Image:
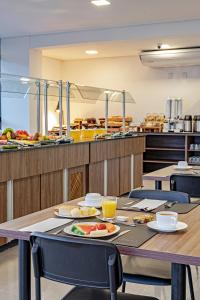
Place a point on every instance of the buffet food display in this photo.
(152, 123)
(53, 105)
(10, 139)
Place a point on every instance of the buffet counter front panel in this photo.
(35, 179)
(116, 166)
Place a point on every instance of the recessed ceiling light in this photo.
(91, 52)
(24, 80)
(163, 46)
(101, 2)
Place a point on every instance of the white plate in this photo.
(82, 217)
(68, 231)
(179, 226)
(83, 204)
(183, 168)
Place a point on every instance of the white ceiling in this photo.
(114, 48)
(105, 49)
(29, 17)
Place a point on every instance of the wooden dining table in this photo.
(179, 248)
(164, 174)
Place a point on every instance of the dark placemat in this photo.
(180, 208)
(137, 236)
(121, 202)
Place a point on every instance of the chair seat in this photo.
(79, 293)
(146, 267)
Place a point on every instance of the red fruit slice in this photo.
(101, 226)
(87, 228)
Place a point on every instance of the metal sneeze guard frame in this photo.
(13, 85)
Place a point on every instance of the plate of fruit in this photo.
(92, 229)
(75, 212)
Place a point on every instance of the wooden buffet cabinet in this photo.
(38, 178)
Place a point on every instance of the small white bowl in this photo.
(122, 218)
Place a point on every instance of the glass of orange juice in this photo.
(109, 207)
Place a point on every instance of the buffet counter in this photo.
(37, 178)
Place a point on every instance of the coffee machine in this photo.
(173, 115)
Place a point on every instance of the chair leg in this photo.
(197, 271)
(123, 286)
(190, 282)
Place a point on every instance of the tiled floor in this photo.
(55, 291)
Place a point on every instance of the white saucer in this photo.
(183, 168)
(179, 226)
(83, 204)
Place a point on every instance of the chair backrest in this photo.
(160, 195)
(186, 183)
(76, 261)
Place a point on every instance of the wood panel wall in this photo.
(138, 170)
(51, 189)
(26, 196)
(31, 162)
(125, 175)
(96, 178)
(113, 177)
(109, 149)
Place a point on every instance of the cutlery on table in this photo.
(170, 204)
(116, 222)
(58, 231)
(61, 229)
(120, 234)
(129, 203)
(144, 209)
(122, 223)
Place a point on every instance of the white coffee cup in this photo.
(93, 199)
(182, 164)
(166, 219)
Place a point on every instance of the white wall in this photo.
(149, 87)
(15, 60)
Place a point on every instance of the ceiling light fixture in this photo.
(24, 80)
(91, 52)
(101, 2)
(163, 46)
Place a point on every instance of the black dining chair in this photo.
(93, 267)
(187, 183)
(159, 273)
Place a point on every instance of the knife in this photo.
(120, 234)
(170, 204)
